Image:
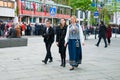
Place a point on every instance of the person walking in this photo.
(18, 31)
(48, 35)
(109, 34)
(75, 39)
(102, 34)
(60, 36)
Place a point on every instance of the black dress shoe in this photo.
(105, 46)
(96, 45)
(51, 61)
(61, 64)
(76, 65)
(44, 61)
(71, 68)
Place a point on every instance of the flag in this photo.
(34, 7)
(44, 9)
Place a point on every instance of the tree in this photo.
(82, 5)
(109, 9)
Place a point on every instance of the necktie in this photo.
(47, 30)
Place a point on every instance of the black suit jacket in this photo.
(102, 30)
(48, 37)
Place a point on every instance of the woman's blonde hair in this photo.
(74, 18)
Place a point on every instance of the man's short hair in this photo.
(48, 21)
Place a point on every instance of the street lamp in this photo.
(115, 6)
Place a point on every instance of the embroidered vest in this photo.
(74, 33)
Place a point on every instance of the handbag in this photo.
(77, 43)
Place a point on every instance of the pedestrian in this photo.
(75, 39)
(18, 31)
(23, 27)
(102, 34)
(60, 41)
(12, 32)
(109, 34)
(29, 29)
(48, 35)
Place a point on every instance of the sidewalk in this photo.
(113, 36)
(25, 63)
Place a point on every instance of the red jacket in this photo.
(109, 32)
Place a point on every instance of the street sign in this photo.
(96, 14)
(52, 11)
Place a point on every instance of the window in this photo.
(81, 14)
(28, 5)
(47, 8)
(5, 4)
(58, 10)
(38, 7)
(64, 10)
(1, 3)
(8, 4)
(86, 16)
(68, 11)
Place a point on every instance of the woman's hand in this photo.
(57, 43)
(65, 44)
(83, 44)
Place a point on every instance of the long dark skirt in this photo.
(75, 53)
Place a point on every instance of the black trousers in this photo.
(62, 51)
(48, 49)
(104, 38)
(109, 41)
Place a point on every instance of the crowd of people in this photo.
(25, 29)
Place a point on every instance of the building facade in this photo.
(36, 11)
(116, 8)
(7, 10)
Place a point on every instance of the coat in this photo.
(48, 37)
(60, 38)
(109, 32)
(102, 30)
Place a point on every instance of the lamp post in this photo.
(115, 6)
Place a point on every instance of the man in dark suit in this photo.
(102, 32)
(48, 35)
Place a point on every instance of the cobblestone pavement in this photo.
(24, 63)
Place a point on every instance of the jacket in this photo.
(48, 37)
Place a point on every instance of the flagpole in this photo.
(52, 21)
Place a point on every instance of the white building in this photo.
(81, 16)
(7, 10)
(116, 15)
